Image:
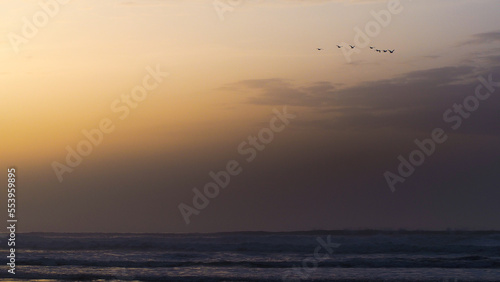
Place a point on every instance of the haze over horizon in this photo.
(227, 77)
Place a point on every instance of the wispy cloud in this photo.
(483, 38)
(415, 100)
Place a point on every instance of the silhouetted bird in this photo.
(319, 49)
(352, 47)
(339, 46)
(371, 47)
(385, 51)
(392, 51)
(378, 50)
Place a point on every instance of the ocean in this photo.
(257, 256)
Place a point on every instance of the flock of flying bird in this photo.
(371, 47)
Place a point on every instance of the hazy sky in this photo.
(228, 69)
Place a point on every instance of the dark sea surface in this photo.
(257, 256)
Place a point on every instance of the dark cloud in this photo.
(483, 38)
(412, 101)
(283, 92)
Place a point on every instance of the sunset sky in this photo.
(228, 71)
